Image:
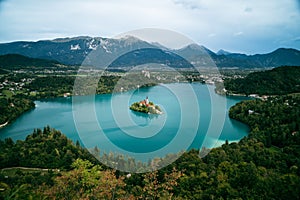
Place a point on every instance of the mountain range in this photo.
(133, 51)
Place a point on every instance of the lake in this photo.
(193, 116)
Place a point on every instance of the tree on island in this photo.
(146, 106)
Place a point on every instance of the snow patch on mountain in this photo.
(75, 47)
(105, 44)
(92, 45)
(105, 48)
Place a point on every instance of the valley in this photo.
(255, 160)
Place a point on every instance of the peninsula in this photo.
(146, 106)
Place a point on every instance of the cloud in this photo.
(189, 4)
(248, 9)
(297, 39)
(211, 23)
(238, 33)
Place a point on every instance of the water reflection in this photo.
(144, 115)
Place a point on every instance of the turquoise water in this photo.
(193, 116)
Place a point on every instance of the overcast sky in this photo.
(246, 26)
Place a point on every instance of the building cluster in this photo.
(145, 102)
(14, 86)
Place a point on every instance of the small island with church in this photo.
(146, 106)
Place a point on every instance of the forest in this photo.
(263, 165)
(11, 108)
(278, 81)
(12, 62)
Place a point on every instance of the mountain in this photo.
(151, 55)
(74, 51)
(223, 52)
(203, 57)
(102, 52)
(278, 57)
(197, 55)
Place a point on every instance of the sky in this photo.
(244, 26)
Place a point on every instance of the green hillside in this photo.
(16, 62)
(278, 81)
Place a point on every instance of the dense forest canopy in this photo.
(278, 81)
(15, 61)
(12, 108)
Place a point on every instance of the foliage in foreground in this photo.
(263, 165)
(47, 148)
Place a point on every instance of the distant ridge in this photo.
(73, 51)
(223, 52)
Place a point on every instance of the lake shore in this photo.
(58, 114)
(3, 125)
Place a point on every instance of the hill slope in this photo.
(278, 81)
(15, 61)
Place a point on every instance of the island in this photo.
(146, 106)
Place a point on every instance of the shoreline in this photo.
(216, 144)
(3, 125)
(236, 95)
